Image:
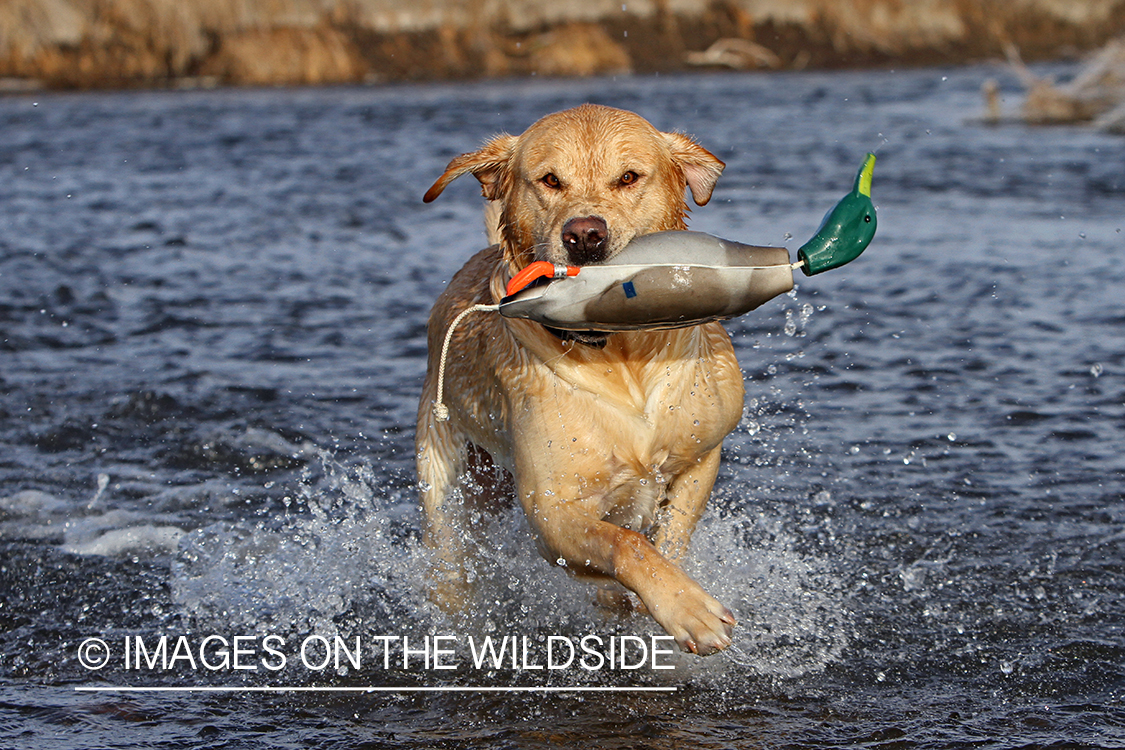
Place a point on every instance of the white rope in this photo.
(441, 411)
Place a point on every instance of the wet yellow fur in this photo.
(612, 450)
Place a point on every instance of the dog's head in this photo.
(578, 185)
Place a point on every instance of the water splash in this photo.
(791, 606)
(325, 566)
(346, 561)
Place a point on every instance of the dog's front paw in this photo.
(698, 621)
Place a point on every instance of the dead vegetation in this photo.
(1096, 94)
(115, 43)
(1098, 88)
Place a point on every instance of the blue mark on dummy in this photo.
(630, 292)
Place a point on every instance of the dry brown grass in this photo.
(142, 42)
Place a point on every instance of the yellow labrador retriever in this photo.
(611, 440)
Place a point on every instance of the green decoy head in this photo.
(846, 230)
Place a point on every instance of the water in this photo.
(212, 311)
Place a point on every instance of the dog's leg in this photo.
(697, 621)
(440, 458)
(569, 529)
(687, 499)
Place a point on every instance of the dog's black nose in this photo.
(586, 240)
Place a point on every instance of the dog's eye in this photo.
(629, 177)
(551, 181)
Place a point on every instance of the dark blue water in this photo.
(212, 341)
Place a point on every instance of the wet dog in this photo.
(611, 441)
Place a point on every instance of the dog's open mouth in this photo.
(596, 339)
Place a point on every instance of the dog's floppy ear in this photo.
(488, 164)
(701, 167)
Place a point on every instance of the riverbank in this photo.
(80, 44)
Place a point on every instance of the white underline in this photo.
(369, 689)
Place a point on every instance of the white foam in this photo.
(84, 528)
(30, 503)
(32, 514)
(115, 542)
(119, 532)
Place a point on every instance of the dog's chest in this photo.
(674, 400)
(646, 450)
(634, 424)
(669, 414)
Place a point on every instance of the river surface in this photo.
(212, 342)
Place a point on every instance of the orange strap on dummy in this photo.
(538, 270)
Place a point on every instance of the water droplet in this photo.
(913, 579)
(1096, 369)
(561, 562)
(1006, 667)
(951, 436)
